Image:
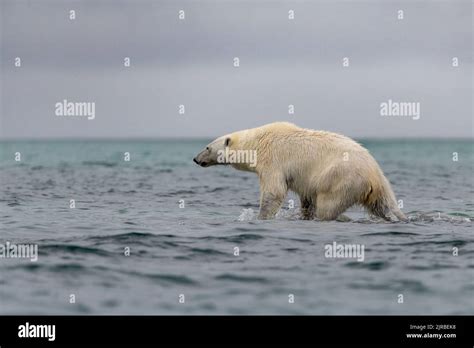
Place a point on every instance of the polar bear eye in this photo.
(207, 148)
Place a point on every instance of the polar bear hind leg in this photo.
(331, 204)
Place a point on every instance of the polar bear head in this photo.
(212, 154)
(237, 149)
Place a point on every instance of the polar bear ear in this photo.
(227, 141)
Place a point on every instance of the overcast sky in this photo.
(190, 62)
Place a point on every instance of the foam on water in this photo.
(249, 214)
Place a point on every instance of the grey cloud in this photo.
(190, 62)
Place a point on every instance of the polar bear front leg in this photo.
(273, 191)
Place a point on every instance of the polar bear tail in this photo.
(381, 202)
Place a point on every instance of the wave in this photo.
(57, 268)
(73, 249)
(123, 236)
(237, 238)
(241, 278)
(372, 266)
(166, 279)
(391, 233)
(100, 163)
(456, 243)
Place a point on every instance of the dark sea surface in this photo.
(190, 250)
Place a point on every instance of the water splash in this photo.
(283, 214)
(438, 217)
(417, 216)
(247, 215)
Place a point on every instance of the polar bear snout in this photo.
(201, 163)
(204, 158)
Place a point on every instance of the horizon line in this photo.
(194, 138)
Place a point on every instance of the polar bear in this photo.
(329, 172)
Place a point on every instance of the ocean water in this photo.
(188, 249)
